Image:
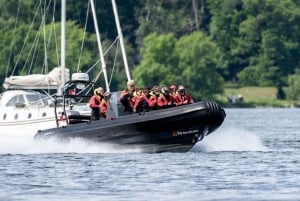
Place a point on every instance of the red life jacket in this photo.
(130, 98)
(94, 101)
(184, 99)
(163, 100)
(151, 100)
(103, 107)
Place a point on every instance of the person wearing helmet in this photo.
(126, 97)
(105, 104)
(150, 100)
(94, 103)
(136, 99)
(143, 100)
(165, 100)
(154, 92)
(183, 97)
(173, 89)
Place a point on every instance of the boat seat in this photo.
(74, 117)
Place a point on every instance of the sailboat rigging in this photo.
(22, 105)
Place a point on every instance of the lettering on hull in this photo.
(185, 132)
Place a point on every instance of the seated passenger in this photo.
(173, 90)
(144, 101)
(137, 100)
(183, 97)
(150, 101)
(155, 92)
(165, 100)
(126, 97)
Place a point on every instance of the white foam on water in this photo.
(15, 143)
(225, 139)
(230, 139)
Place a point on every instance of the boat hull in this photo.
(175, 129)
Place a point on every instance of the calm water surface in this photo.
(253, 156)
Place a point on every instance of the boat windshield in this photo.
(37, 99)
(19, 99)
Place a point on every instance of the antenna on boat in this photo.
(121, 39)
(103, 64)
(63, 44)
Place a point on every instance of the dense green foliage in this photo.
(293, 91)
(198, 43)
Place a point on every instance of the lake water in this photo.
(255, 155)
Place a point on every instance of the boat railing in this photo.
(76, 94)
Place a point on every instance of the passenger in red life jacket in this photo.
(150, 100)
(143, 101)
(183, 97)
(137, 100)
(155, 92)
(173, 93)
(105, 104)
(165, 100)
(173, 90)
(126, 97)
(94, 103)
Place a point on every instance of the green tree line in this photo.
(201, 44)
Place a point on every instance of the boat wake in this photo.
(227, 139)
(18, 144)
(230, 139)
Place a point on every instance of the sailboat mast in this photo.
(63, 43)
(121, 39)
(103, 64)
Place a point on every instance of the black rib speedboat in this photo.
(175, 129)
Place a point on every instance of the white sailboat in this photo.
(26, 110)
(23, 109)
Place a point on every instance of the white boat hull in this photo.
(25, 121)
